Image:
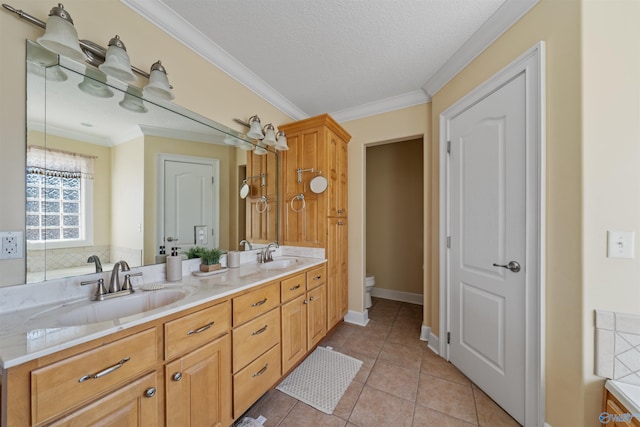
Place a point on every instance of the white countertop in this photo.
(23, 338)
(627, 394)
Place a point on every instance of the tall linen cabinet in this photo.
(318, 147)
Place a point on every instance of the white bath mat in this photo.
(321, 380)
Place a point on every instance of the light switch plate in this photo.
(620, 244)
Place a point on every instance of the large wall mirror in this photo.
(113, 176)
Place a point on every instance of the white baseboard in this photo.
(357, 318)
(425, 332)
(398, 295)
(434, 343)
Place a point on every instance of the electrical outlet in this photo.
(11, 245)
(201, 235)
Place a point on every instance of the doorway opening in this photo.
(394, 220)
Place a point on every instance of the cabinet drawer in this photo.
(254, 338)
(65, 384)
(254, 380)
(316, 277)
(253, 304)
(190, 332)
(292, 287)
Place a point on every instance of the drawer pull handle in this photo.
(150, 392)
(340, 223)
(317, 278)
(202, 329)
(177, 376)
(104, 372)
(340, 211)
(261, 371)
(295, 287)
(256, 304)
(259, 331)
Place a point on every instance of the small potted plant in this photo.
(210, 260)
(195, 252)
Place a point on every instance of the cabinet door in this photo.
(199, 386)
(316, 315)
(260, 215)
(342, 165)
(294, 332)
(337, 175)
(343, 267)
(335, 235)
(136, 404)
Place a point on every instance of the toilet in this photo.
(369, 283)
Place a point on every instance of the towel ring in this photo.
(262, 200)
(299, 196)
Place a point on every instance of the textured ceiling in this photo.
(349, 58)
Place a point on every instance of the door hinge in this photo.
(448, 337)
(448, 147)
(213, 180)
(448, 242)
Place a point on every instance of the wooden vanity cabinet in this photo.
(322, 144)
(303, 315)
(198, 383)
(256, 345)
(619, 415)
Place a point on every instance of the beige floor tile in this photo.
(407, 356)
(364, 344)
(377, 408)
(411, 311)
(305, 415)
(447, 397)
(425, 417)
(489, 413)
(347, 402)
(436, 366)
(383, 316)
(274, 406)
(396, 380)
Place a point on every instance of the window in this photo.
(59, 198)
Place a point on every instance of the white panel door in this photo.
(487, 228)
(188, 203)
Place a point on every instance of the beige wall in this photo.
(558, 24)
(199, 86)
(394, 215)
(403, 124)
(611, 168)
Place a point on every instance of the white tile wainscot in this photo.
(618, 346)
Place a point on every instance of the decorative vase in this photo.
(208, 268)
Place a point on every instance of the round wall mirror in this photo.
(318, 184)
(244, 190)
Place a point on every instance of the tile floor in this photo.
(401, 382)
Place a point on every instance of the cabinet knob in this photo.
(177, 376)
(340, 211)
(150, 392)
(305, 302)
(312, 299)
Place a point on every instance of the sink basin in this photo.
(279, 263)
(87, 312)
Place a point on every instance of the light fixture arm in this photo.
(299, 172)
(95, 53)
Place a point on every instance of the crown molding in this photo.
(184, 135)
(159, 14)
(506, 15)
(397, 102)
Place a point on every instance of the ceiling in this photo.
(349, 58)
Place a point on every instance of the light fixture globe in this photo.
(255, 128)
(95, 88)
(260, 149)
(158, 85)
(269, 135)
(61, 36)
(117, 63)
(281, 141)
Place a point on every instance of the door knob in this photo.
(513, 266)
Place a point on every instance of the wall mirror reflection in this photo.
(112, 176)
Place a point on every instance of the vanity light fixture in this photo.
(269, 137)
(95, 88)
(133, 103)
(61, 36)
(158, 85)
(117, 63)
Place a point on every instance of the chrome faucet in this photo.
(114, 283)
(96, 260)
(245, 243)
(267, 252)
